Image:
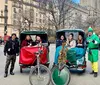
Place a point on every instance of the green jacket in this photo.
(93, 45)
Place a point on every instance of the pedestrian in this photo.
(11, 49)
(92, 46)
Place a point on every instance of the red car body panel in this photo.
(27, 56)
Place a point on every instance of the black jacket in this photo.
(83, 44)
(59, 43)
(11, 47)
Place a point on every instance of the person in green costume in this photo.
(92, 46)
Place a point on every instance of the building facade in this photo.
(92, 3)
(23, 15)
(94, 11)
(9, 26)
(27, 15)
(78, 17)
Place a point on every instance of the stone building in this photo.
(2, 5)
(23, 15)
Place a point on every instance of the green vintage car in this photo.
(26, 58)
(76, 59)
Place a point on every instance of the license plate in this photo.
(79, 68)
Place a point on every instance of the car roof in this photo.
(70, 30)
(33, 32)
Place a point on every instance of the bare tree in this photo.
(28, 15)
(24, 17)
(92, 21)
(59, 11)
(76, 21)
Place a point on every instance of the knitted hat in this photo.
(90, 29)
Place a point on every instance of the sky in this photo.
(76, 1)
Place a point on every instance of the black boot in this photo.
(12, 73)
(5, 75)
(92, 72)
(95, 74)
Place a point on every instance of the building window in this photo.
(19, 10)
(36, 19)
(15, 10)
(14, 16)
(43, 20)
(40, 15)
(36, 14)
(40, 20)
(1, 12)
(14, 22)
(1, 15)
(75, 13)
(43, 16)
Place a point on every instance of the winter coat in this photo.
(11, 47)
(59, 42)
(26, 43)
(93, 45)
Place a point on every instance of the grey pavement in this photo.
(23, 78)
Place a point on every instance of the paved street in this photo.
(23, 79)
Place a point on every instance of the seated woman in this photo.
(28, 41)
(80, 46)
(38, 40)
(80, 42)
(71, 43)
(80, 50)
(59, 42)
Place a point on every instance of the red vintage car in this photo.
(27, 57)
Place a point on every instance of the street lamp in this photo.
(5, 16)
